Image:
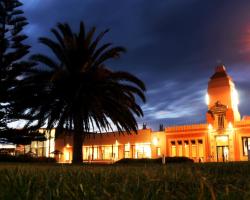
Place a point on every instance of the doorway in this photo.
(222, 153)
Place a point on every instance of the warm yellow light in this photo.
(67, 155)
(155, 141)
(142, 150)
(230, 126)
(207, 99)
(116, 142)
(210, 127)
(235, 97)
(223, 138)
(127, 147)
(67, 145)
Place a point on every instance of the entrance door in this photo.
(222, 153)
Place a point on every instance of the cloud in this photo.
(171, 101)
(172, 45)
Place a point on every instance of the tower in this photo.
(222, 99)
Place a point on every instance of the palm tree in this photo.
(77, 92)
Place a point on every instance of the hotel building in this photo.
(224, 137)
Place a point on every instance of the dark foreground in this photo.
(173, 181)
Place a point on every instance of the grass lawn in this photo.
(153, 181)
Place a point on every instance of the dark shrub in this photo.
(25, 158)
(45, 160)
(136, 161)
(178, 160)
(156, 160)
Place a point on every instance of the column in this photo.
(197, 150)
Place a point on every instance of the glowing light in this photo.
(235, 97)
(7, 146)
(67, 155)
(223, 138)
(230, 126)
(207, 99)
(116, 142)
(142, 150)
(127, 147)
(210, 127)
(67, 146)
(155, 141)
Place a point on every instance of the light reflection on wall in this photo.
(235, 98)
(207, 99)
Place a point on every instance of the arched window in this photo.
(220, 121)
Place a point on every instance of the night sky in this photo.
(172, 45)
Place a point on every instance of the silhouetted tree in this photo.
(77, 92)
(21, 136)
(12, 50)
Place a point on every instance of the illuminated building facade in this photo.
(225, 136)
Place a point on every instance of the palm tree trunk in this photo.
(77, 141)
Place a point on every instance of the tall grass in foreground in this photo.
(179, 181)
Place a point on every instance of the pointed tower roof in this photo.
(220, 72)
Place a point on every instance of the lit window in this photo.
(158, 151)
(126, 154)
(220, 121)
(127, 151)
(222, 140)
(107, 152)
(115, 152)
(201, 148)
(67, 155)
(142, 150)
(91, 153)
(179, 148)
(87, 153)
(173, 149)
(95, 153)
(194, 153)
(186, 147)
(127, 147)
(246, 145)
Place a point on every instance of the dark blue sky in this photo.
(173, 46)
